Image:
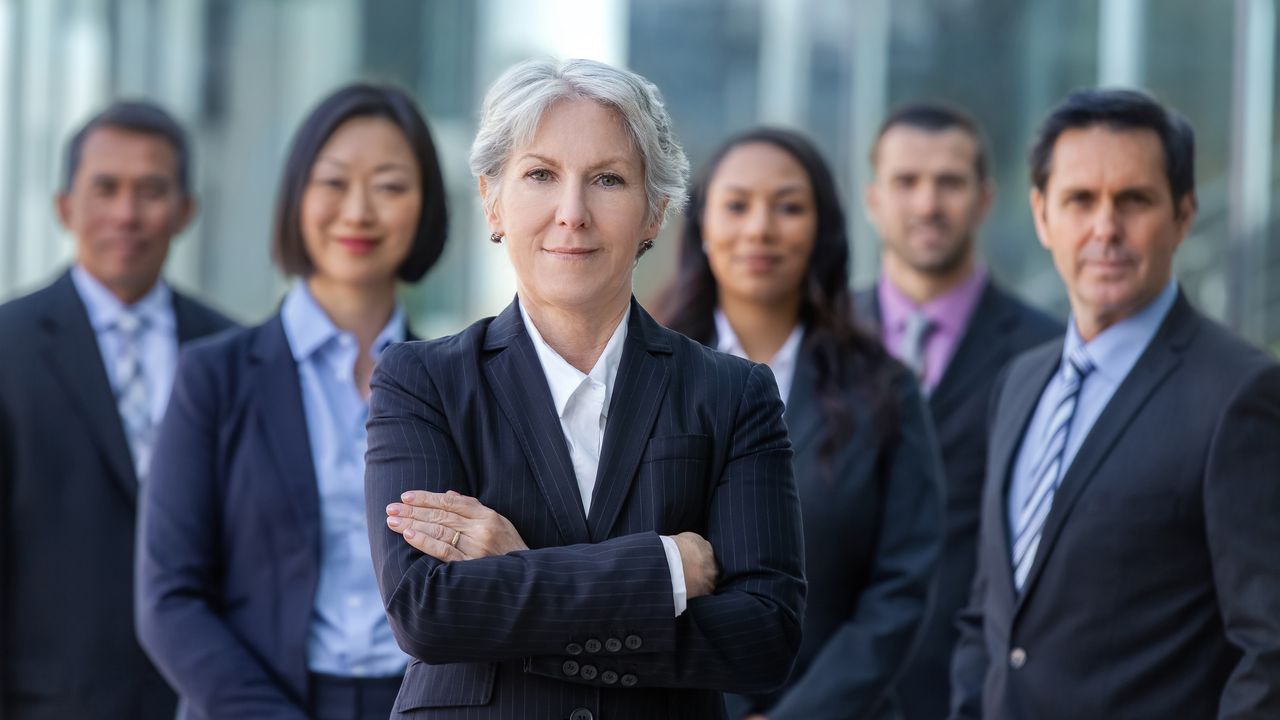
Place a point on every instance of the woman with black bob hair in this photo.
(764, 274)
(255, 592)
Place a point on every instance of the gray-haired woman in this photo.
(575, 512)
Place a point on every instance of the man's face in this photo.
(124, 207)
(926, 200)
(1108, 218)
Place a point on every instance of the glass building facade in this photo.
(241, 74)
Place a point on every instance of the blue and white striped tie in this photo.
(1048, 468)
(132, 397)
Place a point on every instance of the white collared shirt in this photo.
(159, 335)
(582, 404)
(783, 362)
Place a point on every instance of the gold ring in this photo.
(456, 534)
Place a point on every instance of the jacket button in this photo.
(613, 645)
(629, 680)
(592, 646)
(589, 672)
(573, 649)
(581, 714)
(608, 677)
(633, 642)
(570, 667)
(1017, 658)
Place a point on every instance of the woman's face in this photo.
(759, 224)
(572, 206)
(361, 205)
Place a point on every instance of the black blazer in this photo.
(67, 646)
(1000, 328)
(582, 624)
(1155, 592)
(873, 534)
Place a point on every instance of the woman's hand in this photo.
(451, 526)
(698, 559)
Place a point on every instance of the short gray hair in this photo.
(515, 104)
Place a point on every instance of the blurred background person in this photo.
(1126, 565)
(86, 365)
(764, 275)
(256, 597)
(937, 309)
(599, 515)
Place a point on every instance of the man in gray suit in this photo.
(86, 364)
(1126, 557)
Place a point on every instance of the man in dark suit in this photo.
(85, 369)
(936, 309)
(1127, 564)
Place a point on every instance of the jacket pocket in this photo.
(452, 685)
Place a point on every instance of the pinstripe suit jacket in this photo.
(582, 625)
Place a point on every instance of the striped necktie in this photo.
(132, 397)
(1048, 468)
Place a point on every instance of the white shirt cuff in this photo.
(678, 592)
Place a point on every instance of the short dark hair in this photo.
(139, 116)
(1119, 110)
(935, 117)
(352, 101)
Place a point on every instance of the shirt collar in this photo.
(309, 328)
(1116, 350)
(104, 308)
(564, 379)
(727, 342)
(948, 312)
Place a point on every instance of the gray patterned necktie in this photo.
(132, 396)
(1047, 470)
(915, 337)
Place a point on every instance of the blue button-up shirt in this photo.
(1114, 352)
(349, 633)
(159, 338)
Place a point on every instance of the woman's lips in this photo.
(357, 245)
(759, 263)
(570, 253)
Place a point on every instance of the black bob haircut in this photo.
(348, 102)
(138, 116)
(1119, 110)
(936, 117)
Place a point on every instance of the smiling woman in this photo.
(585, 513)
(255, 594)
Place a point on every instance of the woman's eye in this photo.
(540, 175)
(735, 206)
(393, 188)
(332, 183)
(792, 209)
(610, 180)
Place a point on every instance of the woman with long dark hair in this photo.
(764, 274)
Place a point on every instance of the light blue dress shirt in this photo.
(1114, 352)
(349, 633)
(159, 334)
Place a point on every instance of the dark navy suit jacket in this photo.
(872, 535)
(582, 625)
(1000, 328)
(1155, 592)
(229, 543)
(67, 646)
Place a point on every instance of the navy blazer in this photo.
(872, 534)
(582, 625)
(67, 646)
(1156, 589)
(1000, 328)
(229, 543)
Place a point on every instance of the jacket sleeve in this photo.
(1242, 524)
(856, 665)
(529, 605)
(178, 565)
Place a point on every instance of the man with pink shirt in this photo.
(938, 311)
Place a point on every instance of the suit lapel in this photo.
(280, 409)
(191, 323)
(1151, 370)
(516, 379)
(984, 342)
(1023, 390)
(637, 394)
(802, 416)
(72, 351)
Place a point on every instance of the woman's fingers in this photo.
(426, 514)
(451, 501)
(430, 538)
